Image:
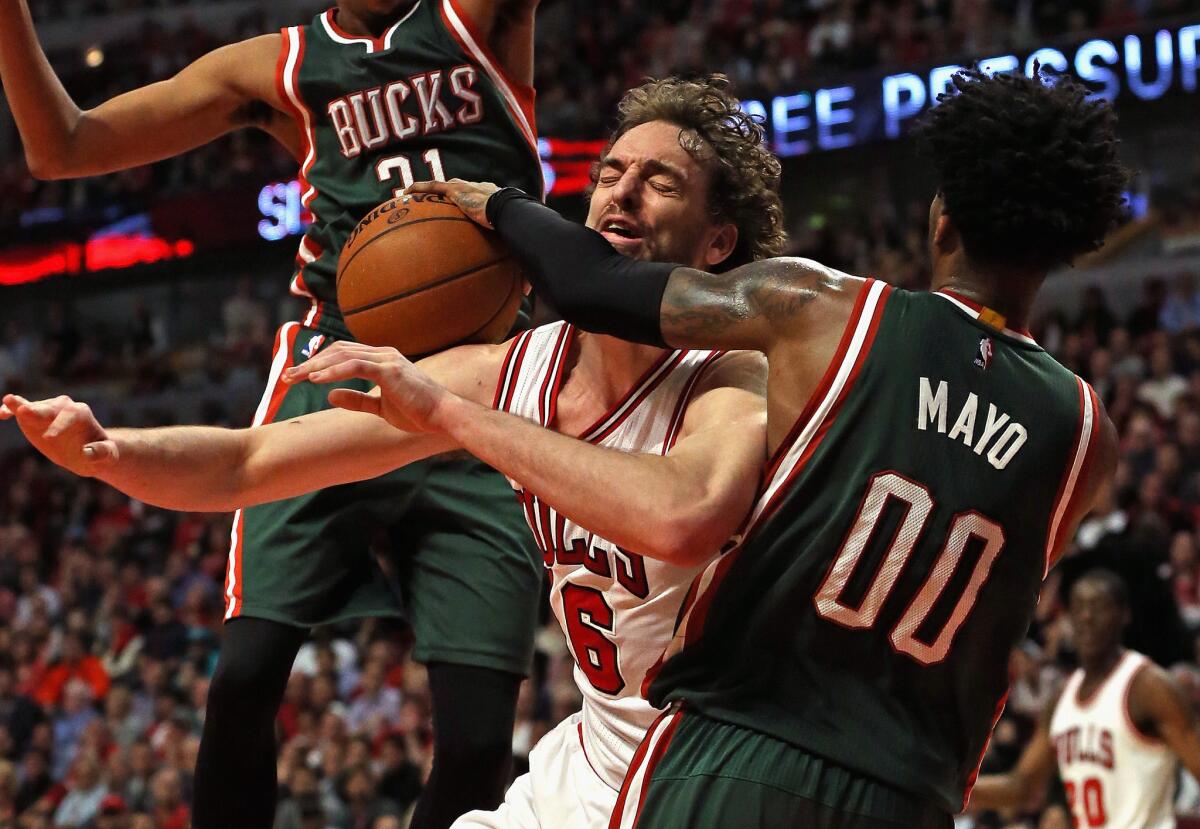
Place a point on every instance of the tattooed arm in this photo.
(759, 306)
(756, 306)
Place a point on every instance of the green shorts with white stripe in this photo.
(442, 543)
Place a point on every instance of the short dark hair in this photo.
(1027, 167)
(730, 144)
(1110, 581)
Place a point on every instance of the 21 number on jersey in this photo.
(399, 167)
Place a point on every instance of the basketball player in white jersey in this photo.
(648, 466)
(1117, 729)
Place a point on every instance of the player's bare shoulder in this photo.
(789, 287)
(249, 67)
(1153, 696)
(756, 304)
(743, 370)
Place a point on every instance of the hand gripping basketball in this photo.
(419, 276)
(471, 197)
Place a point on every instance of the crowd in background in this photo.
(588, 55)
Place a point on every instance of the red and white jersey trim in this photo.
(1089, 425)
(633, 792)
(790, 458)
(289, 88)
(974, 310)
(518, 96)
(859, 344)
(273, 394)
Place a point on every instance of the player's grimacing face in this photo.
(651, 199)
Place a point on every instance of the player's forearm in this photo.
(1000, 791)
(46, 116)
(205, 469)
(187, 468)
(638, 501)
(580, 273)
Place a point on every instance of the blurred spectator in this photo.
(74, 664)
(358, 793)
(1163, 388)
(72, 720)
(245, 318)
(113, 813)
(18, 713)
(1095, 318)
(377, 707)
(1145, 317)
(85, 792)
(35, 780)
(168, 809)
(1181, 310)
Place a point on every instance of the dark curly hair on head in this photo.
(1027, 167)
(718, 134)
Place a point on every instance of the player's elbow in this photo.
(689, 538)
(44, 167)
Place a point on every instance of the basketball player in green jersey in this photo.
(368, 96)
(843, 666)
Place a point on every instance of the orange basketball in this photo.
(418, 275)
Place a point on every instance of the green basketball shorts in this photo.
(469, 575)
(692, 772)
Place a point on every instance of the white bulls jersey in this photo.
(616, 608)
(1115, 776)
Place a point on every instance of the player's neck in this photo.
(1010, 293)
(1095, 670)
(370, 25)
(611, 365)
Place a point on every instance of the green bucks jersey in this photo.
(896, 553)
(427, 100)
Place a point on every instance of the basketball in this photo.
(418, 275)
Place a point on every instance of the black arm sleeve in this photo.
(579, 272)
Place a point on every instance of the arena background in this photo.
(154, 294)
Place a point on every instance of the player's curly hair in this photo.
(1027, 167)
(717, 133)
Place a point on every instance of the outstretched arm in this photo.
(209, 469)
(231, 87)
(680, 507)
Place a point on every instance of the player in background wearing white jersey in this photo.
(669, 451)
(1116, 729)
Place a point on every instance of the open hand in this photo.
(405, 397)
(63, 430)
(471, 197)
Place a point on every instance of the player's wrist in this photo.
(451, 415)
(500, 199)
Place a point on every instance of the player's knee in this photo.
(238, 686)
